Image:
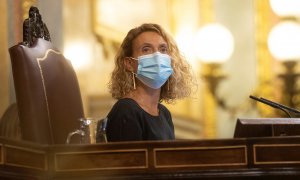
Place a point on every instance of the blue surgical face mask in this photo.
(154, 69)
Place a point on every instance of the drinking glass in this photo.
(91, 131)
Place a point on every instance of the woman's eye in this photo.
(163, 50)
(146, 50)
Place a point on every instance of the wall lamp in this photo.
(284, 46)
(214, 46)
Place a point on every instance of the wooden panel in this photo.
(200, 156)
(253, 158)
(102, 160)
(276, 153)
(25, 157)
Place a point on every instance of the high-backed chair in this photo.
(47, 91)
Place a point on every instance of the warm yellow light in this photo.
(214, 43)
(79, 53)
(284, 41)
(285, 7)
(184, 39)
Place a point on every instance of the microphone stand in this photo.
(283, 108)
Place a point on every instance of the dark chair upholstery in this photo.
(10, 124)
(47, 91)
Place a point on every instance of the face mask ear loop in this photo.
(133, 80)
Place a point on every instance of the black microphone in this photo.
(275, 105)
(283, 106)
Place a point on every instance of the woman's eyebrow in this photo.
(146, 44)
(151, 45)
(163, 45)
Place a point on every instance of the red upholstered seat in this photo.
(47, 92)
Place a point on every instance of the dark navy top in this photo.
(127, 121)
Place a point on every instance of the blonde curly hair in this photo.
(180, 82)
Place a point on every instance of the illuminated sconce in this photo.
(284, 41)
(214, 45)
(79, 53)
(284, 45)
(286, 8)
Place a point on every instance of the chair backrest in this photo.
(47, 91)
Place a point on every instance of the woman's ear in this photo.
(128, 64)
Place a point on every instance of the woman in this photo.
(148, 70)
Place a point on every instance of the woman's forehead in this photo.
(148, 37)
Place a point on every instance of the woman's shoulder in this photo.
(124, 105)
(125, 110)
(164, 109)
(125, 102)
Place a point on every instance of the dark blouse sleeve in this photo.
(123, 123)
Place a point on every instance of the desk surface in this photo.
(242, 158)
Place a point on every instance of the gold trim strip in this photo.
(44, 88)
(28, 150)
(200, 148)
(46, 54)
(106, 168)
(273, 162)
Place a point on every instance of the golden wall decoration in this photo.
(209, 103)
(266, 66)
(4, 62)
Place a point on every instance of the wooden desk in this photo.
(255, 158)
